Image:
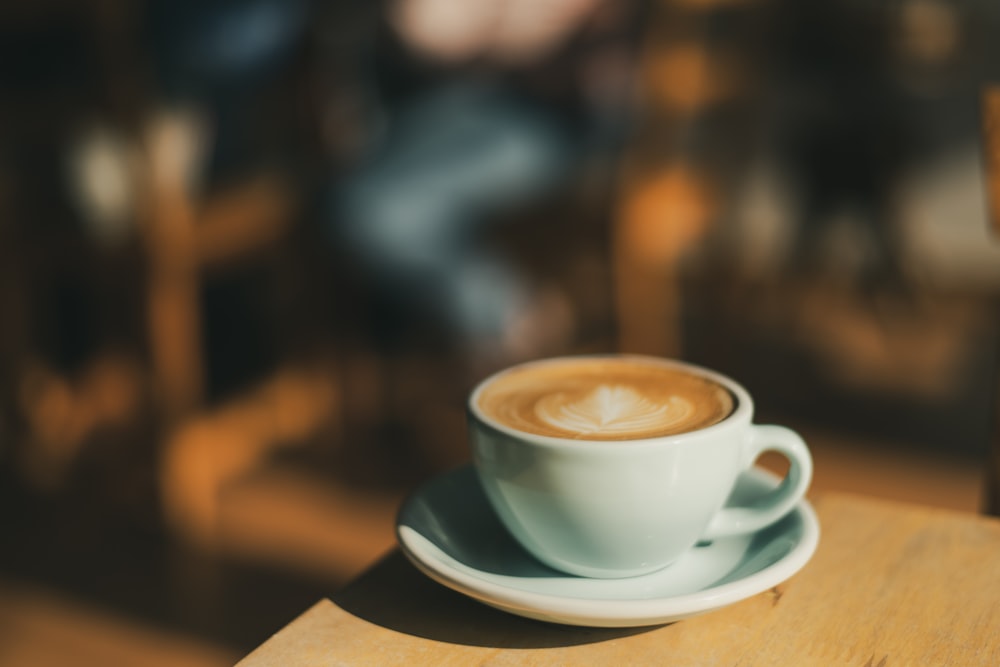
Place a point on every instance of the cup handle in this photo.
(767, 509)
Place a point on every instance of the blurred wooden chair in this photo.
(189, 235)
(991, 161)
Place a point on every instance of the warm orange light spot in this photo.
(663, 215)
(686, 78)
(214, 450)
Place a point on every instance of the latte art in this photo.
(611, 410)
(604, 398)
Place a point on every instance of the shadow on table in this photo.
(395, 595)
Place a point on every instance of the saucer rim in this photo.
(600, 612)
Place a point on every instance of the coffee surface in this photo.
(601, 398)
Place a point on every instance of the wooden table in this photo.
(890, 584)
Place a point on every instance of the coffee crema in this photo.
(604, 398)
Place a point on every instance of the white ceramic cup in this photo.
(624, 508)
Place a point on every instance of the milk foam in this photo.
(612, 410)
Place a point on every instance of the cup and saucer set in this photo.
(621, 528)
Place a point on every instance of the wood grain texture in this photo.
(890, 584)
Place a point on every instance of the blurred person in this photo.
(484, 108)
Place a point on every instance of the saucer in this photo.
(448, 530)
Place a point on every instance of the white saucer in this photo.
(448, 531)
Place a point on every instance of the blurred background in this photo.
(254, 253)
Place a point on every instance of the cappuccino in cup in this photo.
(613, 466)
(605, 398)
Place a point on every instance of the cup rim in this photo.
(743, 412)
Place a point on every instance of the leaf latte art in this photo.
(612, 410)
(604, 398)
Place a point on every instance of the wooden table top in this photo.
(890, 584)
